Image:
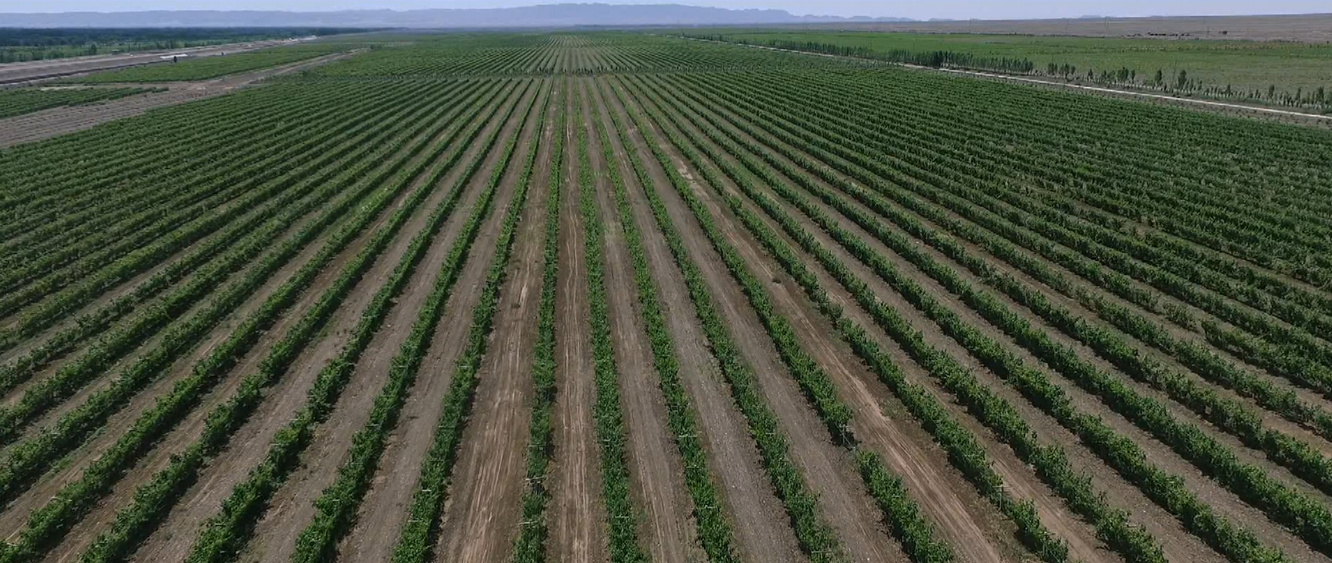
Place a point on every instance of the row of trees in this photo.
(1179, 82)
(938, 58)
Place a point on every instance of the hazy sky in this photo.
(935, 9)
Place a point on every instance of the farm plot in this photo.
(27, 100)
(207, 67)
(616, 297)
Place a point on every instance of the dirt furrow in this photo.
(217, 479)
(292, 508)
(656, 470)
(1022, 482)
(762, 531)
(1165, 532)
(1018, 478)
(110, 295)
(975, 530)
(73, 465)
(250, 444)
(120, 422)
(577, 515)
(843, 499)
(215, 337)
(384, 508)
(1163, 527)
(483, 513)
(192, 425)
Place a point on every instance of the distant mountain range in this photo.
(549, 15)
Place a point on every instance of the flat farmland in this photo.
(626, 297)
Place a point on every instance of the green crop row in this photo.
(1283, 504)
(1236, 543)
(113, 153)
(714, 530)
(816, 537)
(29, 458)
(901, 512)
(72, 376)
(964, 450)
(48, 524)
(338, 503)
(1226, 414)
(28, 100)
(1284, 402)
(110, 345)
(607, 410)
(225, 534)
(1129, 180)
(85, 241)
(530, 546)
(417, 538)
(1288, 351)
(102, 263)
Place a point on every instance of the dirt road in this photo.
(52, 122)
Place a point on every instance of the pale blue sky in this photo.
(935, 9)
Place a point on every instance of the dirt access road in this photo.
(34, 71)
(52, 122)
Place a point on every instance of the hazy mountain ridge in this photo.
(548, 15)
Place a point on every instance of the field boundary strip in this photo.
(1037, 81)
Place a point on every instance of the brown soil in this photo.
(188, 431)
(293, 509)
(1196, 337)
(1177, 542)
(384, 508)
(52, 122)
(329, 453)
(1159, 454)
(757, 516)
(577, 513)
(656, 469)
(483, 512)
(969, 524)
(828, 470)
(1021, 482)
(63, 474)
(123, 420)
(1259, 522)
(119, 290)
(1162, 526)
